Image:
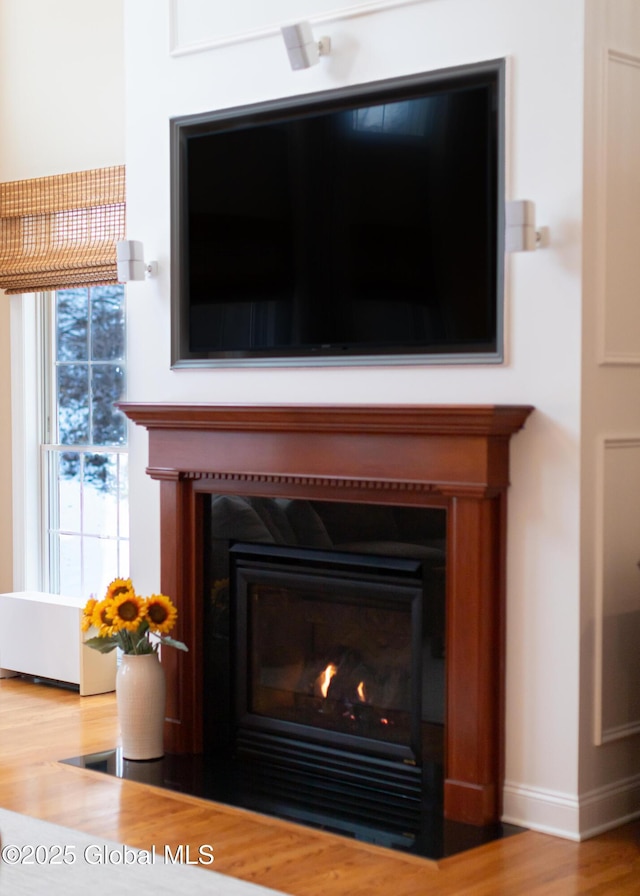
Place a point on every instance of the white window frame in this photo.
(27, 389)
(33, 399)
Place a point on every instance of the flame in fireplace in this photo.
(361, 692)
(325, 678)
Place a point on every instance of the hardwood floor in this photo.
(40, 725)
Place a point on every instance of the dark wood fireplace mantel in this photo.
(453, 456)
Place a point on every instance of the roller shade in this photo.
(61, 231)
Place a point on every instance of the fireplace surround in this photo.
(453, 457)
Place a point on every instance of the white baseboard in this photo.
(548, 811)
(608, 807)
(569, 816)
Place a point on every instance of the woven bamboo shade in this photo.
(61, 231)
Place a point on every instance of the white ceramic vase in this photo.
(141, 696)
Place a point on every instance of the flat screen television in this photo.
(353, 226)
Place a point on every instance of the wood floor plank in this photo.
(40, 725)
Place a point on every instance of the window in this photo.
(84, 450)
(69, 457)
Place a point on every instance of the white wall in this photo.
(61, 109)
(62, 95)
(543, 43)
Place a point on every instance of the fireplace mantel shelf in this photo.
(406, 419)
(451, 456)
(440, 449)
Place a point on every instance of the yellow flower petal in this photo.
(87, 614)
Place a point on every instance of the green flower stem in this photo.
(126, 641)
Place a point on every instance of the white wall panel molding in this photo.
(618, 212)
(617, 589)
(195, 26)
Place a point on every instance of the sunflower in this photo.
(102, 620)
(161, 614)
(127, 610)
(87, 614)
(118, 586)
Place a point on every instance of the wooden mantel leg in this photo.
(474, 670)
(181, 579)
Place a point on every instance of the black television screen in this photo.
(352, 226)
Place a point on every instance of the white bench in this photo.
(41, 635)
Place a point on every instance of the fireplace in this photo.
(451, 461)
(324, 666)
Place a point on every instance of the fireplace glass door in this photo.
(329, 648)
